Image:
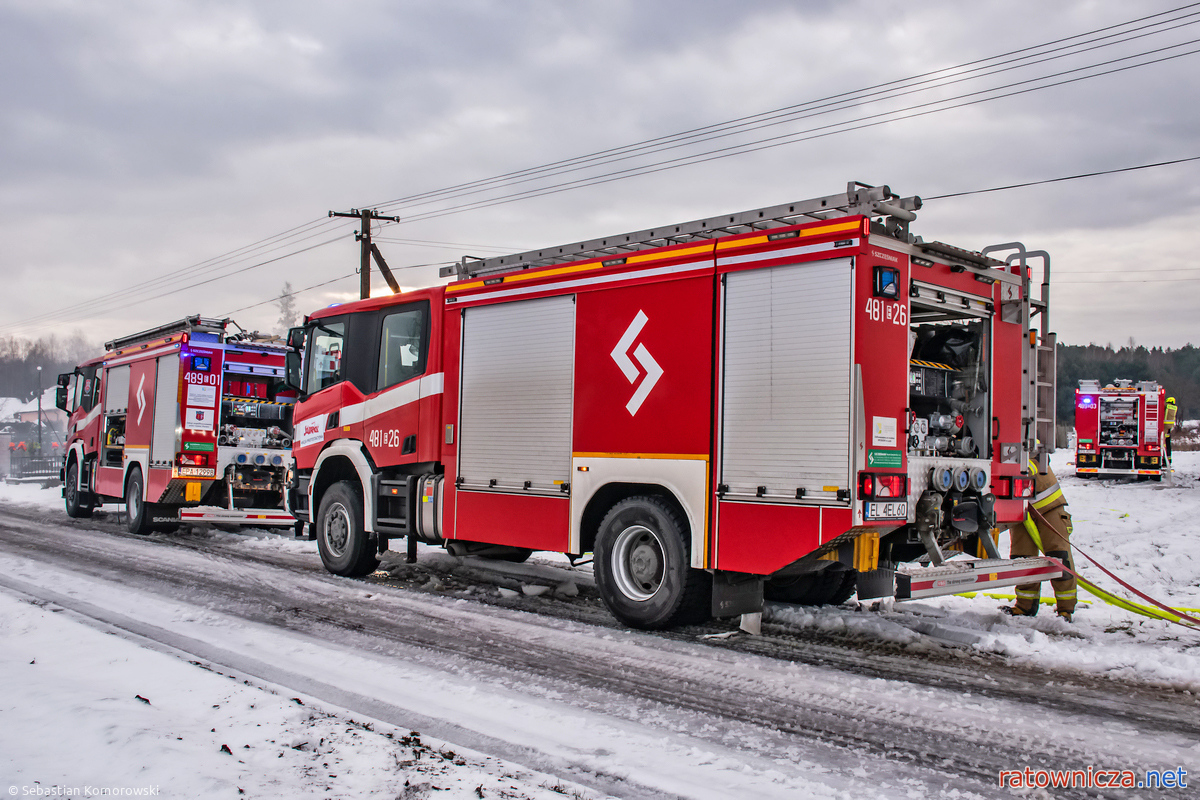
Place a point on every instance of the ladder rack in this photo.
(858, 199)
(186, 325)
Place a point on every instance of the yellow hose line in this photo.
(1106, 596)
(1046, 601)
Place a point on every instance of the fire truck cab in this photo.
(182, 423)
(1119, 429)
(788, 402)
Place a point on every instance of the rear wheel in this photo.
(77, 507)
(341, 537)
(643, 569)
(832, 586)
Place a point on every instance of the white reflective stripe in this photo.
(432, 384)
(774, 254)
(1042, 495)
(83, 423)
(392, 399)
(620, 276)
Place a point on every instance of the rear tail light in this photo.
(193, 459)
(1006, 488)
(872, 486)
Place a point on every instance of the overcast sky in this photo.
(146, 146)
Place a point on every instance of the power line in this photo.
(723, 130)
(862, 123)
(659, 142)
(1064, 178)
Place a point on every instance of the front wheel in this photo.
(73, 497)
(341, 536)
(137, 514)
(643, 569)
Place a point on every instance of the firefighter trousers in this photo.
(1055, 538)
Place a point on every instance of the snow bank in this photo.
(139, 721)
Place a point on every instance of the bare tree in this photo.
(287, 309)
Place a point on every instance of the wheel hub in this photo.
(337, 529)
(637, 562)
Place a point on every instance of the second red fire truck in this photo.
(1119, 429)
(794, 402)
(182, 423)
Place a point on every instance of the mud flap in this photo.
(876, 583)
(736, 593)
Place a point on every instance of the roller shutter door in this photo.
(518, 364)
(786, 394)
(116, 390)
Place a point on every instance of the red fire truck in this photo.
(794, 401)
(1119, 429)
(182, 423)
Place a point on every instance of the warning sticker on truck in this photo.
(199, 419)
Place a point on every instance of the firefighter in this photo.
(1169, 424)
(1054, 531)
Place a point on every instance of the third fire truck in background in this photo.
(1119, 429)
(798, 401)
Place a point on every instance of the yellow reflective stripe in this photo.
(1065, 595)
(1026, 595)
(1032, 530)
(1043, 500)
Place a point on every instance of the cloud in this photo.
(145, 138)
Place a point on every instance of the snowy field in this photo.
(84, 708)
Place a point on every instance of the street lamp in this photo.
(39, 371)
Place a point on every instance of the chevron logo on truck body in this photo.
(620, 354)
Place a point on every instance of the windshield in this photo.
(325, 366)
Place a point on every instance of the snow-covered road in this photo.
(829, 703)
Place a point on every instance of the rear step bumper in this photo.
(258, 517)
(914, 582)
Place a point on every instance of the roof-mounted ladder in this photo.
(858, 199)
(186, 325)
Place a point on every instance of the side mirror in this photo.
(295, 339)
(292, 378)
(60, 395)
(64, 379)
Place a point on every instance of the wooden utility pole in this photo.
(369, 250)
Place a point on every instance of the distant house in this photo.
(52, 417)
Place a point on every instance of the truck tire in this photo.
(341, 537)
(137, 510)
(831, 586)
(643, 568)
(77, 507)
